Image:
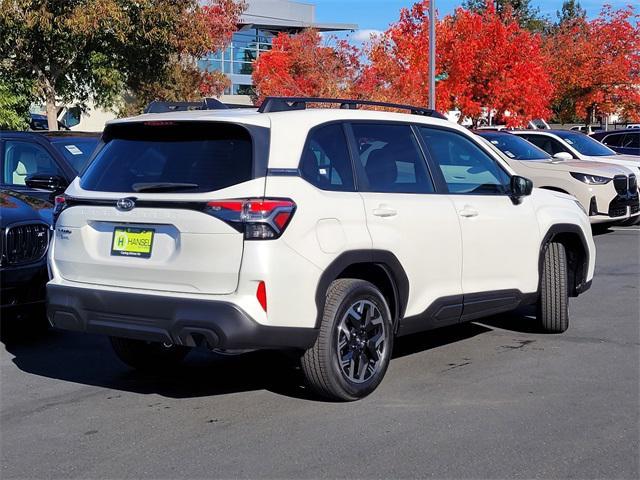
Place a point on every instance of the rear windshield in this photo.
(77, 151)
(515, 147)
(171, 157)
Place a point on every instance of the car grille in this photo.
(24, 243)
(620, 184)
(617, 210)
(635, 209)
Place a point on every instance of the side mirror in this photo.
(53, 183)
(563, 156)
(520, 187)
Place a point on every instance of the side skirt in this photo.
(454, 309)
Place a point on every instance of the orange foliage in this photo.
(595, 65)
(304, 65)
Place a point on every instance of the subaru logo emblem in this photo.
(126, 204)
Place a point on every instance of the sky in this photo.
(378, 14)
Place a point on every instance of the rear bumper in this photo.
(180, 321)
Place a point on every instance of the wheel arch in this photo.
(380, 267)
(572, 238)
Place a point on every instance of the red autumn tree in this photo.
(486, 62)
(306, 65)
(595, 65)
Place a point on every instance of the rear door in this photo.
(140, 216)
(407, 218)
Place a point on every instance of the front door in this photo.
(501, 239)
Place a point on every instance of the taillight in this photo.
(60, 203)
(258, 218)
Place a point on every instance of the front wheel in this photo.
(553, 301)
(143, 355)
(353, 348)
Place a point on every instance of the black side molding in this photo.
(454, 309)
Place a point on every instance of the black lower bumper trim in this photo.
(181, 321)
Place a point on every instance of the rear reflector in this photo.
(258, 218)
(261, 295)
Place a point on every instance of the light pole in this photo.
(432, 54)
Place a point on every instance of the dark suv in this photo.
(622, 141)
(41, 163)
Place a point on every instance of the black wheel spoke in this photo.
(360, 341)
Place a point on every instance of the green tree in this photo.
(81, 50)
(15, 98)
(528, 16)
(571, 10)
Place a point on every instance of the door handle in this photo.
(468, 212)
(384, 212)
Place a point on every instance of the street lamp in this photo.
(432, 54)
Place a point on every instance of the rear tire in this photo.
(351, 354)
(147, 356)
(553, 301)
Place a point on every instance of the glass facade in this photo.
(236, 61)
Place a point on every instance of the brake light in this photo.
(59, 204)
(261, 295)
(258, 218)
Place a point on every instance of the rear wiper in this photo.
(163, 186)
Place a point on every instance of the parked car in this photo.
(25, 223)
(567, 145)
(622, 141)
(40, 164)
(329, 231)
(588, 129)
(608, 193)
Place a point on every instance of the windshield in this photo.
(76, 151)
(171, 157)
(515, 147)
(585, 145)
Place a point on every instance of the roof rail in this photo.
(159, 106)
(285, 104)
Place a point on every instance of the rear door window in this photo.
(548, 144)
(171, 157)
(391, 159)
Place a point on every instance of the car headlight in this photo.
(590, 179)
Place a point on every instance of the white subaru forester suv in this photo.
(326, 231)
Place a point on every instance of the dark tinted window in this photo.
(76, 151)
(193, 157)
(548, 144)
(632, 140)
(466, 168)
(616, 140)
(391, 159)
(515, 147)
(23, 159)
(325, 161)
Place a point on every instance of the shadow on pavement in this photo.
(88, 359)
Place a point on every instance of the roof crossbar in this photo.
(285, 104)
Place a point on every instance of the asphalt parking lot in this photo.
(486, 400)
